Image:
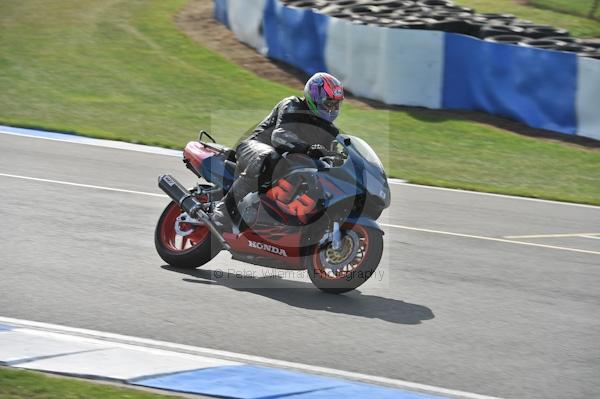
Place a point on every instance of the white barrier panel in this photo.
(245, 19)
(396, 66)
(588, 98)
(548, 90)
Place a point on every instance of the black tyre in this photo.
(409, 25)
(506, 39)
(549, 44)
(466, 10)
(595, 43)
(388, 12)
(474, 25)
(449, 24)
(367, 19)
(416, 10)
(341, 271)
(189, 252)
(343, 3)
(376, 20)
(450, 20)
(336, 12)
(450, 13)
(317, 4)
(575, 48)
(497, 17)
(592, 54)
(390, 3)
(435, 3)
(386, 22)
(363, 10)
(566, 39)
(538, 32)
(523, 23)
(497, 30)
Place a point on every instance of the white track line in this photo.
(54, 328)
(383, 224)
(590, 236)
(113, 144)
(163, 151)
(554, 235)
(457, 190)
(492, 239)
(120, 190)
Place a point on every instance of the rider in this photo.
(295, 125)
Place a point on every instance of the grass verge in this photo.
(19, 384)
(567, 14)
(582, 8)
(119, 69)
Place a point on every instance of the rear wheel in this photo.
(190, 247)
(356, 261)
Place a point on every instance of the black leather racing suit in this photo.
(293, 127)
(290, 127)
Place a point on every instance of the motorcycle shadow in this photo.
(304, 295)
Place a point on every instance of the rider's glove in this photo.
(317, 151)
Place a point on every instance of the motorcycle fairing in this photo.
(209, 162)
(269, 243)
(366, 222)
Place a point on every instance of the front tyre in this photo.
(193, 249)
(344, 270)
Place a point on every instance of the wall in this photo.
(544, 89)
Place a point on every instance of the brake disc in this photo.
(336, 261)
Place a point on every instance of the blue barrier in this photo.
(527, 84)
(544, 89)
(295, 36)
(220, 12)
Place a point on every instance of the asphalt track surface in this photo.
(457, 304)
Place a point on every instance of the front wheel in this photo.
(356, 261)
(190, 247)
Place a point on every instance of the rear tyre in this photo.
(341, 271)
(194, 250)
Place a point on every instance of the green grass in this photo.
(576, 7)
(557, 13)
(18, 384)
(119, 69)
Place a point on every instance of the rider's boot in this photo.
(225, 215)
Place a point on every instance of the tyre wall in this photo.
(545, 89)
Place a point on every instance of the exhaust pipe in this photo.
(188, 203)
(179, 194)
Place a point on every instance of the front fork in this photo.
(336, 237)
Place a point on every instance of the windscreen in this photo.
(362, 148)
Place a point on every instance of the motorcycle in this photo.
(315, 213)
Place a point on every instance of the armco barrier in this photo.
(245, 19)
(544, 89)
(220, 11)
(531, 85)
(395, 66)
(588, 98)
(295, 36)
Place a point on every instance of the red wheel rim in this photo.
(174, 242)
(322, 270)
